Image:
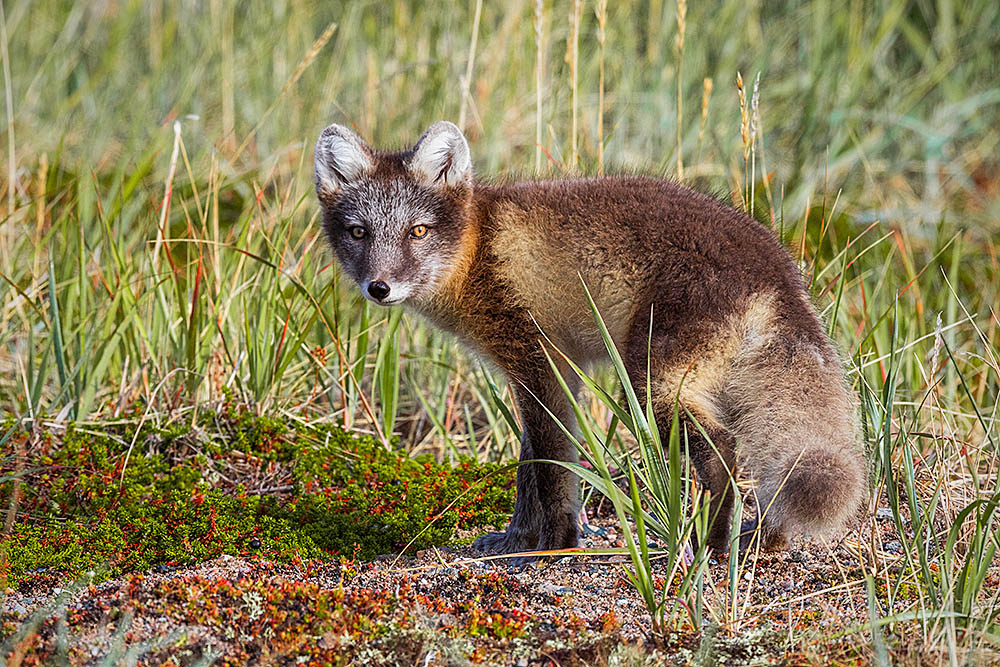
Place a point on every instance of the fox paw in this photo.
(503, 543)
(752, 534)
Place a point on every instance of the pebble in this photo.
(552, 589)
(894, 546)
(446, 620)
(595, 530)
(883, 514)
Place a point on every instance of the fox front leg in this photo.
(547, 507)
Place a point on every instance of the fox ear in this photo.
(339, 158)
(441, 156)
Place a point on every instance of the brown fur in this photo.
(728, 312)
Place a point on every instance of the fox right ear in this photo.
(340, 157)
(441, 156)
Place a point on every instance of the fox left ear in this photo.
(340, 157)
(441, 157)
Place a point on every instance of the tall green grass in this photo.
(161, 245)
(657, 497)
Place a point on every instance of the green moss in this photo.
(176, 496)
(354, 491)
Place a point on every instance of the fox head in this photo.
(395, 220)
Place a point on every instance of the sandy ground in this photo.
(449, 606)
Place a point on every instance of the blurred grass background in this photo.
(160, 244)
(895, 102)
(869, 112)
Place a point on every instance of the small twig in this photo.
(307, 60)
(681, 25)
(167, 192)
(572, 57)
(602, 19)
(273, 489)
(470, 64)
(9, 97)
(539, 77)
(138, 428)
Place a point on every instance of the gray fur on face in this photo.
(388, 211)
(387, 195)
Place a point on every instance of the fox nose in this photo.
(378, 289)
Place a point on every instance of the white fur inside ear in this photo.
(441, 157)
(340, 157)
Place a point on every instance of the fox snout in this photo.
(385, 292)
(378, 290)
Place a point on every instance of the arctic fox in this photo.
(703, 292)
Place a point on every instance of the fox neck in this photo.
(452, 283)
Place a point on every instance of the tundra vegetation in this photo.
(184, 375)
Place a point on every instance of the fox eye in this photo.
(357, 232)
(419, 231)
